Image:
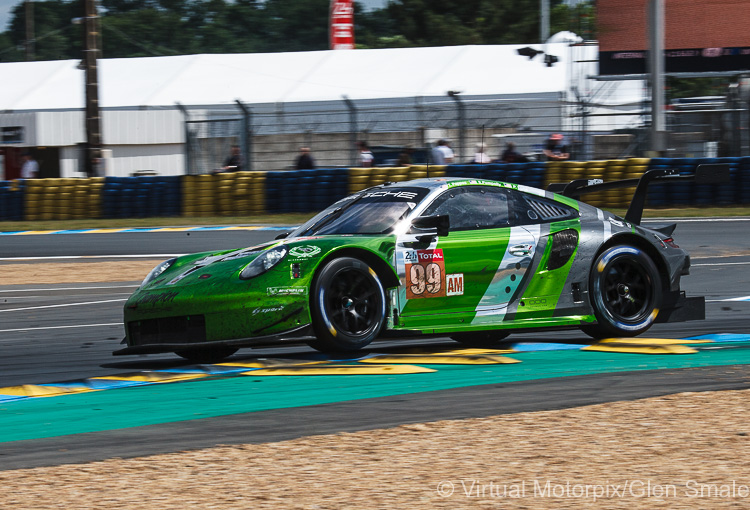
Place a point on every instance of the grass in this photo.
(299, 218)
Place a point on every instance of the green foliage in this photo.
(133, 28)
(695, 87)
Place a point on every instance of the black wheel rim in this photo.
(627, 290)
(352, 302)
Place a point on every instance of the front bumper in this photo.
(292, 336)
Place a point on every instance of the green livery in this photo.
(471, 259)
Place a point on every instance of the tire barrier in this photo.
(300, 191)
(140, 197)
(529, 174)
(736, 191)
(253, 193)
(11, 200)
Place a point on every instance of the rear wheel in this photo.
(348, 306)
(485, 339)
(207, 354)
(626, 293)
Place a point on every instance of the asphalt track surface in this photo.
(52, 333)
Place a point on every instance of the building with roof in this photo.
(272, 103)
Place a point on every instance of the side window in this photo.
(472, 207)
(530, 209)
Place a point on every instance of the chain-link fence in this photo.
(396, 130)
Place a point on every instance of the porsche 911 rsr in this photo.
(472, 259)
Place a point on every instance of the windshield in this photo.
(369, 212)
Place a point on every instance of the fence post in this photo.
(186, 116)
(246, 140)
(461, 124)
(352, 130)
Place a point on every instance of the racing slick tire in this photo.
(487, 339)
(207, 354)
(626, 293)
(347, 305)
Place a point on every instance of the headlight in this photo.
(157, 271)
(264, 262)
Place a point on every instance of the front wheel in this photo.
(348, 306)
(626, 293)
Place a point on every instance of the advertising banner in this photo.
(341, 29)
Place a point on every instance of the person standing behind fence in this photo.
(30, 168)
(234, 162)
(481, 157)
(366, 158)
(511, 155)
(442, 154)
(555, 149)
(305, 160)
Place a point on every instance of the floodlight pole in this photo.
(656, 74)
(90, 56)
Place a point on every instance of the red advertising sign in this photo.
(341, 30)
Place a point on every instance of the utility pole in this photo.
(543, 21)
(29, 14)
(93, 121)
(656, 75)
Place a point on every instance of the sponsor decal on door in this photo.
(425, 274)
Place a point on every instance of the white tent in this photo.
(283, 77)
(293, 77)
(138, 95)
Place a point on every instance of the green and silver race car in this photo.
(475, 260)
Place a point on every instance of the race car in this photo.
(472, 259)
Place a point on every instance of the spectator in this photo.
(404, 159)
(481, 157)
(442, 154)
(305, 161)
(555, 149)
(366, 158)
(511, 155)
(30, 168)
(234, 162)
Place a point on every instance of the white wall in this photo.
(164, 159)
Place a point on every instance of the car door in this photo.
(470, 275)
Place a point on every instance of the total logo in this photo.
(415, 257)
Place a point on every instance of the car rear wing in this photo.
(704, 174)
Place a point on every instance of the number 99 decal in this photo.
(425, 274)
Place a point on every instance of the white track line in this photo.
(62, 327)
(48, 289)
(722, 264)
(60, 306)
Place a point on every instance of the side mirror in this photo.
(283, 235)
(441, 223)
